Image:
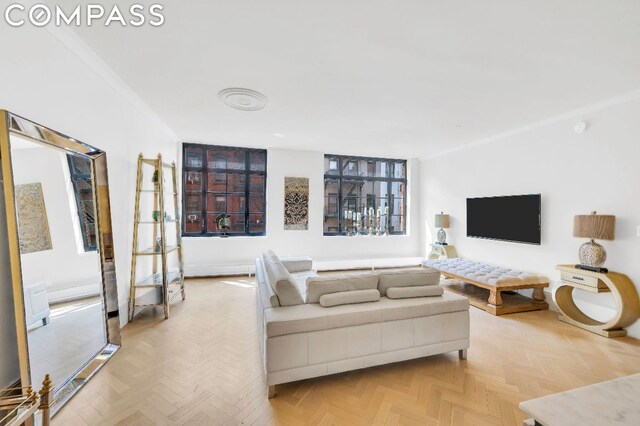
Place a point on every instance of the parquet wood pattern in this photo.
(201, 367)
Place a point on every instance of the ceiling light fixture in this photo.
(243, 99)
(278, 135)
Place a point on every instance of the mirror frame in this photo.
(10, 124)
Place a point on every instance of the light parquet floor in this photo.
(201, 367)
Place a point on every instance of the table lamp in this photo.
(442, 221)
(594, 226)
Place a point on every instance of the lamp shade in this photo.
(442, 220)
(596, 226)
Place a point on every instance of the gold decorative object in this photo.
(21, 404)
(15, 130)
(593, 226)
(168, 286)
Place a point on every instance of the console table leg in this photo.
(495, 298)
(538, 294)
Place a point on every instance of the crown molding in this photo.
(573, 114)
(82, 51)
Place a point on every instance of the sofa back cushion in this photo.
(407, 278)
(281, 281)
(414, 291)
(335, 283)
(268, 297)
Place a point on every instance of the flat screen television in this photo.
(513, 218)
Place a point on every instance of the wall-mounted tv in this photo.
(513, 218)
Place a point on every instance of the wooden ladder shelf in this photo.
(167, 284)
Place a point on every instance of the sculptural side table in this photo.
(620, 287)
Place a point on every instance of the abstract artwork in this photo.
(296, 204)
(33, 224)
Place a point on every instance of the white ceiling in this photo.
(402, 78)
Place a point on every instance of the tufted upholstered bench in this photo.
(495, 279)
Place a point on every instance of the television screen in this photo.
(512, 218)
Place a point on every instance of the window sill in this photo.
(365, 237)
(217, 237)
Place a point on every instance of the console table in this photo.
(619, 285)
(439, 251)
(615, 402)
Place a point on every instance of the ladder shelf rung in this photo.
(155, 191)
(154, 222)
(149, 281)
(154, 162)
(173, 296)
(152, 252)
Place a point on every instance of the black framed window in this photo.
(359, 184)
(80, 172)
(221, 180)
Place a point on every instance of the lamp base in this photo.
(592, 254)
(442, 236)
(592, 268)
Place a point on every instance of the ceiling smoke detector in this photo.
(243, 99)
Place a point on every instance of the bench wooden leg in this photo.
(462, 354)
(495, 298)
(538, 294)
(271, 391)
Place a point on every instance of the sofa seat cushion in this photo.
(349, 297)
(334, 283)
(415, 291)
(407, 278)
(313, 317)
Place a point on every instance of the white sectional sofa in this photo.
(311, 326)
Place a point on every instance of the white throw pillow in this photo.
(349, 297)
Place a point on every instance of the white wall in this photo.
(66, 265)
(52, 79)
(575, 173)
(210, 256)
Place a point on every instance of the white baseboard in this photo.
(321, 265)
(333, 265)
(124, 314)
(67, 294)
(218, 270)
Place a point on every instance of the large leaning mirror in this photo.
(61, 250)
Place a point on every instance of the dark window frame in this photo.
(340, 177)
(204, 170)
(83, 220)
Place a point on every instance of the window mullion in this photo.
(204, 172)
(247, 166)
